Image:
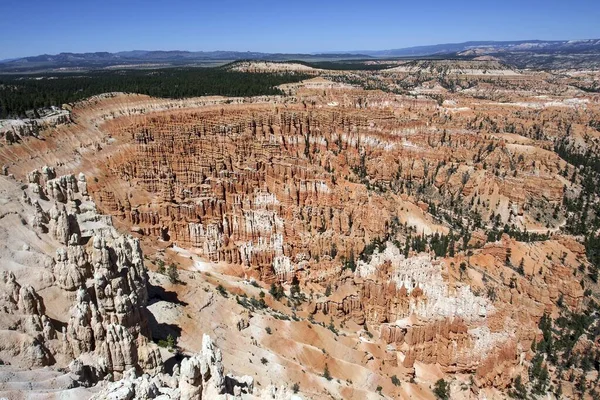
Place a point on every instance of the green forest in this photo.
(19, 93)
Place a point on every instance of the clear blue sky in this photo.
(35, 27)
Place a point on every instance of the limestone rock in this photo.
(198, 377)
(99, 271)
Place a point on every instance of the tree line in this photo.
(19, 93)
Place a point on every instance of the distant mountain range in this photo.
(169, 56)
(541, 46)
(143, 58)
(518, 52)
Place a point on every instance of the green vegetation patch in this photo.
(19, 93)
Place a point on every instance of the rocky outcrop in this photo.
(108, 317)
(72, 267)
(197, 377)
(492, 371)
(16, 130)
(97, 269)
(392, 287)
(201, 376)
(26, 330)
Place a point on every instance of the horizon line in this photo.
(353, 52)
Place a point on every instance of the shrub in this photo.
(326, 373)
(276, 291)
(441, 390)
(519, 390)
(161, 266)
(295, 289)
(331, 327)
(222, 290)
(170, 341)
(173, 274)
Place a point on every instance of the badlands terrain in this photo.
(415, 230)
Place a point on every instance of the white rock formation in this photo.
(197, 377)
(95, 269)
(423, 272)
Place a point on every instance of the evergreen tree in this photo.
(173, 274)
(442, 390)
(326, 373)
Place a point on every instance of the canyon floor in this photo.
(429, 230)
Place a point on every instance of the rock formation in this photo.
(198, 377)
(394, 238)
(95, 268)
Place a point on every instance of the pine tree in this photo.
(173, 274)
(295, 289)
(520, 268)
(441, 390)
(326, 373)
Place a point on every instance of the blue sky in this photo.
(35, 27)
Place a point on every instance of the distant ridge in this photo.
(513, 51)
(98, 60)
(492, 46)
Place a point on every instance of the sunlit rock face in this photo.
(298, 191)
(341, 195)
(96, 275)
